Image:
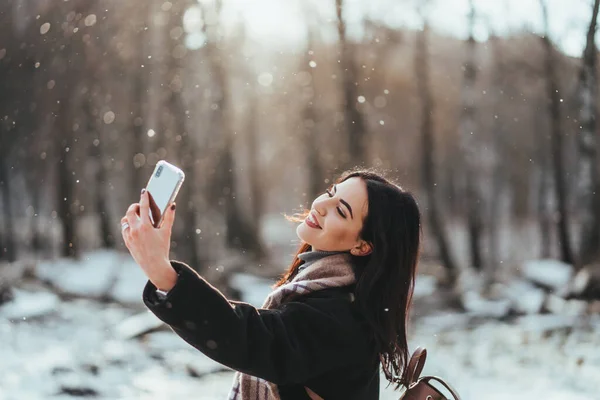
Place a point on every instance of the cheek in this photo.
(341, 232)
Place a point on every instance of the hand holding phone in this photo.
(162, 187)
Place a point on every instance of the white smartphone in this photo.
(163, 186)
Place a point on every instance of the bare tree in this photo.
(428, 154)
(355, 125)
(553, 100)
(588, 160)
(254, 168)
(471, 148)
(11, 110)
(544, 185)
(310, 123)
(240, 233)
(68, 80)
(498, 153)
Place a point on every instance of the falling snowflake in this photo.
(45, 28)
(265, 79)
(90, 20)
(109, 117)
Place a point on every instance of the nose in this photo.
(320, 209)
(320, 206)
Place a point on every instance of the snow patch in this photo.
(425, 285)
(29, 305)
(93, 275)
(525, 298)
(138, 325)
(552, 274)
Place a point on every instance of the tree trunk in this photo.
(108, 240)
(544, 186)
(428, 155)
(9, 110)
(310, 129)
(96, 153)
(256, 191)
(353, 119)
(588, 159)
(471, 148)
(36, 235)
(8, 252)
(67, 209)
(138, 157)
(557, 143)
(498, 176)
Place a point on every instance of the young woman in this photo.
(336, 315)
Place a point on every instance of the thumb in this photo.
(169, 219)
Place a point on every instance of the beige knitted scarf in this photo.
(328, 272)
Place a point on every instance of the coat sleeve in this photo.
(284, 346)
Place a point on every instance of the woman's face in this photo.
(336, 217)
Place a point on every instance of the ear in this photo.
(362, 249)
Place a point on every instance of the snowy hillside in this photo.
(66, 349)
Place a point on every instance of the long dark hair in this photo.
(386, 277)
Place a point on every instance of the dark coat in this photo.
(317, 340)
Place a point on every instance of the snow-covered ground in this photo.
(65, 349)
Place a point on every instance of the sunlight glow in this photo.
(282, 24)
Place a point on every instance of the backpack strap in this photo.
(443, 383)
(416, 364)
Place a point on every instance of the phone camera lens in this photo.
(158, 171)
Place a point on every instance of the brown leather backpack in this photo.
(419, 387)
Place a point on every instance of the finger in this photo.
(125, 232)
(132, 215)
(154, 209)
(167, 224)
(144, 207)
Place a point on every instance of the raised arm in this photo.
(287, 345)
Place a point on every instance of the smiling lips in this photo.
(312, 221)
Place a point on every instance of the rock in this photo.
(92, 276)
(193, 363)
(594, 307)
(60, 370)
(479, 306)
(78, 391)
(6, 294)
(425, 286)
(586, 283)
(165, 342)
(524, 297)
(29, 305)
(557, 305)
(91, 368)
(138, 325)
(549, 274)
(545, 323)
(130, 282)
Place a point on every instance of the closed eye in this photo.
(339, 210)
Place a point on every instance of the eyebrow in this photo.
(345, 203)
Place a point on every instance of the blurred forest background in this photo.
(497, 136)
(486, 110)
